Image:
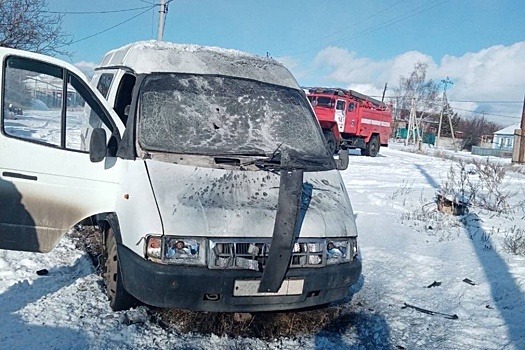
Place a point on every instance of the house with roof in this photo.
(504, 139)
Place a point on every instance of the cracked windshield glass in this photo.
(215, 115)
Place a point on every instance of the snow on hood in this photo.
(225, 203)
(157, 56)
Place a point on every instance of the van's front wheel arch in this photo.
(119, 298)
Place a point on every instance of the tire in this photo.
(331, 141)
(372, 147)
(119, 298)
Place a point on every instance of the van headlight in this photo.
(175, 250)
(341, 250)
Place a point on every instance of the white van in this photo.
(204, 168)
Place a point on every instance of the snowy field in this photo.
(411, 254)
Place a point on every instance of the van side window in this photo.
(104, 83)
(46, 104)
(82, 116)
(124, 96)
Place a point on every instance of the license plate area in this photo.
(248, 288)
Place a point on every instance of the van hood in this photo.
(199, 201)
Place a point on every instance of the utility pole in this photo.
(384, 91)
(162, 16)
(445, 82)
(518, 155)
(413, 126)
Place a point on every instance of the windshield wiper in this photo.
(278, 161)
(273, 159)
(276, 154)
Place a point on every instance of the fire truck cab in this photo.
(351, 120)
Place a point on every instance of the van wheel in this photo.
(372, 147)
(331, 141)
(119, 298)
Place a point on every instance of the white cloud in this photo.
(294, 66)
(88, 68)
(493, 74)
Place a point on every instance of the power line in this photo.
(486, 101)
(408, 14)
(461, 101)
(344, 29)
(492, 114)
(394, 20)
(112, 27)
(471, 111)
(97, 12)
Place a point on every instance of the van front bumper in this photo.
(203, 289)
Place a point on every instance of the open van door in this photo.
(47, 181)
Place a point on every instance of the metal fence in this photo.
(491, 152)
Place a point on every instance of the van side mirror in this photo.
(97, 145)
(342, 162)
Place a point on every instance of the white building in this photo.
(504, 138)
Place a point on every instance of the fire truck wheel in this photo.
(372, 147)
(331, 141)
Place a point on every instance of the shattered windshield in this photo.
(216, 115)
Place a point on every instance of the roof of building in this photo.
(509, 130)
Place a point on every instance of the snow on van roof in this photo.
(157, 56)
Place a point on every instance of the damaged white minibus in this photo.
(204, 169)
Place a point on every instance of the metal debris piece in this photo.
(466, 280)
(434, 284)
(430, 312)
(42, 272)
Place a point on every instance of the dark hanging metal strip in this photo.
(286, 220)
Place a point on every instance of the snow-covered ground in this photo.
(44, 126)
(405, 246)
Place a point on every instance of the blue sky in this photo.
(362, 45)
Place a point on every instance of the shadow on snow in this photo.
(16, 333)
(354, 330)
(17, 224)
(506, 294)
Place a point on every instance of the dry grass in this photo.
(514, 241)
(261, 325)
(89, 239)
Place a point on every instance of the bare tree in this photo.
(473, 128)
(416, 86)
(27, 25)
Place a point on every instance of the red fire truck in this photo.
(351, 120)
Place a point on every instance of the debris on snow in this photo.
(434, 284)
(469, 281)
(134, 316)
(42, 272)
(430, 312)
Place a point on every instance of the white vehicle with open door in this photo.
(205, 170)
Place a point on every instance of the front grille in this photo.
(252, 254)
